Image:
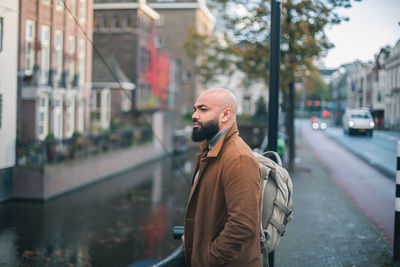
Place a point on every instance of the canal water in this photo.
(122, 220)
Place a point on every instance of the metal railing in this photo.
(50, 151)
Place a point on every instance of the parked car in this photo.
(358, 121)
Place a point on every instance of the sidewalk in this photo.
(327, 230)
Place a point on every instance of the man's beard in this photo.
(205, 131)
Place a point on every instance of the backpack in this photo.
(276, 200)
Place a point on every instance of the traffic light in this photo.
(325, 113)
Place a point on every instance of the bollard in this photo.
(396, 239)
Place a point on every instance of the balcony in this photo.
(37, 155)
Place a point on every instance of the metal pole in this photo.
(396, 239)
(273, 106)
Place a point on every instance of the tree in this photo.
(261, 110)
(244, 45)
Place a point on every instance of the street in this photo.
(371, 191)
(379, 151)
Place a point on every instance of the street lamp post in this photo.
(273, 106)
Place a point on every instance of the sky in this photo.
(373, 24)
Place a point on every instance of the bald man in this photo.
(223, 213)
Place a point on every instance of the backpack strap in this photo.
(268, 154)
(263, 239)
(278, 226)
(283, 207)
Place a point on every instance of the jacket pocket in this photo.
(211, 260)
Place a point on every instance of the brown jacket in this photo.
(223, 214)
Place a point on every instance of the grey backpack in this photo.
(277, 200)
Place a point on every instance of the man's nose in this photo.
(195, 115)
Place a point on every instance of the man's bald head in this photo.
(216, 104)
(224, 97)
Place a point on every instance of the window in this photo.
(95, 23)
(70, 117)
(82, 61)
(71, 58)
(58, 50)
(186, 76)
(1, 33)
(45, 53)
(124, 22)
(29, 46)
(105, 109)
(125, 102)
(81, 115)
(102, 22)
(72, 7)
(59, 5)
(57, 113)
(113, 22)
(46, 2)
(158, 41)
(43, 118)
(82, 11)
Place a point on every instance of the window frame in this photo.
(72, 6)
(71, 58)
(30, 27)
(58, 117)
(42, 122)
(82, 11)
(59, 5)
(70, 120)
(45, 52)
(82, 61)
(58, 51)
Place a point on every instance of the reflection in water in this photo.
(121, 220)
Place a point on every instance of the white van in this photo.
(358, 121)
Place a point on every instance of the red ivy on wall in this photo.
(157, 71)
(163, 76)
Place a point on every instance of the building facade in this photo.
(125, 31)
(9, 10)
(54, 66)
(374, 85)
(391, 65)
(177, 19)
(111, 93)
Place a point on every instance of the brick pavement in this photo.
(327, 230)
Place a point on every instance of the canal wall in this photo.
(57, 178)
(54, 179)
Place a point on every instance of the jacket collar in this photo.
(215, 150)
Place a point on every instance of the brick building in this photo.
(177, 18)
(125, 32)
(54, 68)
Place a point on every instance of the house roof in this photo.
(109, 73)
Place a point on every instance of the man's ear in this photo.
(226, 115)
